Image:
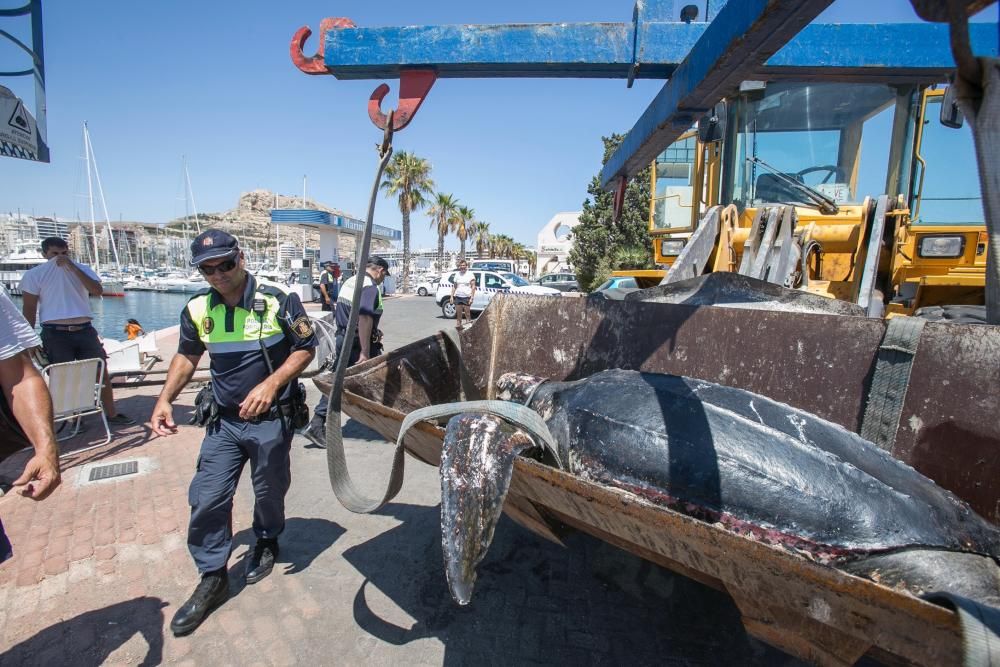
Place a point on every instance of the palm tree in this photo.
(465, 218)
(481, 234)
(408, 176)
(501, 245)
(443, 214)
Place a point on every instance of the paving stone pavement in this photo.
(100, 568)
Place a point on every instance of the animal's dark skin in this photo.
(760, 468)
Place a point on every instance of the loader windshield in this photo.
(810, 134)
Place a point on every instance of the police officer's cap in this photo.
(375, 260)
(213, 244)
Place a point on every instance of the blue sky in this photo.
(213, 81)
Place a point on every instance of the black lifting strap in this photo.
(884, 406)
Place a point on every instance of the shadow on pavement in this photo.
(91, 637)
(589, 603)
(301, 542)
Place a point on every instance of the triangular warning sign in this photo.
(20, 120)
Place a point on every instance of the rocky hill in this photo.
(250, 221)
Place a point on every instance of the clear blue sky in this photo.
(213, 81)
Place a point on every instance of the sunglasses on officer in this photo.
(223, 267)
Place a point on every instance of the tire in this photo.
(422, 291)
(448, 309)
(958, 314)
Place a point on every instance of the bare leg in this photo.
(108, 396)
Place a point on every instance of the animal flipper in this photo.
(477, 461)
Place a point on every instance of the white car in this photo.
(488, 283)
(427, 285)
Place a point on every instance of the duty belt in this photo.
(273, 413)
(67, 327)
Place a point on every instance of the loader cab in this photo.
(939, 252)
(808, 144)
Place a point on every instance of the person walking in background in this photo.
(57, 293)
(367, 339)
(259, 339)
(463, 290)
(328, 284)
(133, 329)
(25, 411)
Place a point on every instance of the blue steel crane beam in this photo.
(911, 52)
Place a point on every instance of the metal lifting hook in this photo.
(314, 64)
(414, 84)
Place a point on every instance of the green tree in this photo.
(500, 246)
(464, 220)
(601, 245)
(481, 235)
(443, 214)
(408, 177)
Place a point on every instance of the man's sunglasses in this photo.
(224, 267)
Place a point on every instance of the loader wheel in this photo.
(958, 314)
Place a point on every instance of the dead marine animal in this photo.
(727, 456)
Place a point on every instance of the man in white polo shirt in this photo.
(58, 293)
(25, 411)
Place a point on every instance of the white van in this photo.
(498, 265)
(488, 283)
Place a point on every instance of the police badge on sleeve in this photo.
(302, 327)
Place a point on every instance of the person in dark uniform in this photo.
(259, 339)
(367, 339)
(328, 284)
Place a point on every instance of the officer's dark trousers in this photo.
(228, 445)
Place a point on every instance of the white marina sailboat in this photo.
(112, 282)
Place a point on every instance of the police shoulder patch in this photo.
(302, 327)
(208, 324)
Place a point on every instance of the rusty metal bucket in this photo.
(816, 362)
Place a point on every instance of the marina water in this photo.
(153, 310)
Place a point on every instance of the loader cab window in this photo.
(673, 183)
(826, 137)
(945, 185)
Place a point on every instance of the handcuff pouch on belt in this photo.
(206, 410)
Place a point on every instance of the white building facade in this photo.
(555, 241)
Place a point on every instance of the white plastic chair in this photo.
(75, 387)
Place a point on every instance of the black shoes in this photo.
(265, 552)
(316, 431)
(212, 590)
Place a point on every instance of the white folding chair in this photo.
(75, 387)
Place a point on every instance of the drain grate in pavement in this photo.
(113, 470)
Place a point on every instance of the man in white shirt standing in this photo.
(58, 293)
(463, 290)
(25, 411)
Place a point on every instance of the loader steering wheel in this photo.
(833, 170)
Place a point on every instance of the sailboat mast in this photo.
(90, 197)
(104, 204)
(194, 206)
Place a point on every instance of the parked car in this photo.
(488, 283)
(564, 282)
(618, 282)
(427, 285)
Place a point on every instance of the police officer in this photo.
(259, 340)
(328, 284)
(367, 339)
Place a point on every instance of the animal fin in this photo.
(477, 461)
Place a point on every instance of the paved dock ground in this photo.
(101, 567)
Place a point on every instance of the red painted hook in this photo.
(414, 84)
(314, 64)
